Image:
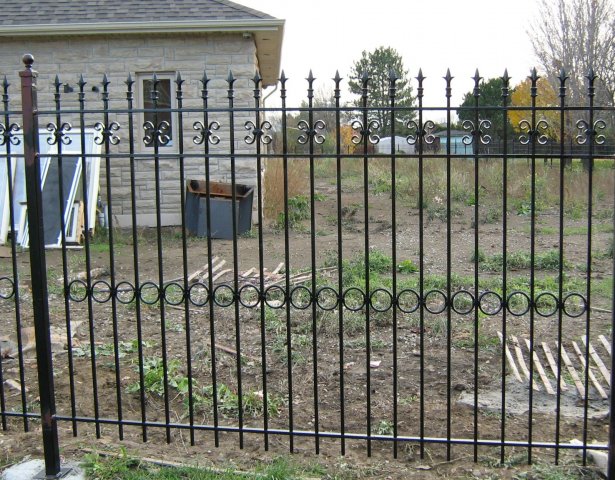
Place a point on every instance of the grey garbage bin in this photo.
(221, 208)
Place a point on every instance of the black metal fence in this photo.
(417, 297)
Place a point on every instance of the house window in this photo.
(159, 110)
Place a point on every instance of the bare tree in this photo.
(577, 35)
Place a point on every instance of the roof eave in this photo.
(269, 53)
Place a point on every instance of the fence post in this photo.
(38, 272)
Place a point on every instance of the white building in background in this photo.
(401, 145)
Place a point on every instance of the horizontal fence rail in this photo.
(334, 272)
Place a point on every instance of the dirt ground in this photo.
(438, 361)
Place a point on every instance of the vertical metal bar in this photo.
(289, 350)
(160, 138)
(5, 140)
(533, 138)
(108, 139)
(182, 196)
(590, 139)
(449, 323)
(88, 258)
(392, 93)
(420, 138)
(560, 272)
(366, 139)
(17, 296)
(476, 144)
(3, 397)
(505, 98)
(231, 112)
(59, 140)
(38, 267)
(260, 138)
(135, 252)
(312, 138)
(611, 462)
(340, 263)
(209, 138)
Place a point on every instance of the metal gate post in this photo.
(38, 272)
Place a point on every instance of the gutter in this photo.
(99, 28)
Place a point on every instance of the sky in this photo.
(463, 35)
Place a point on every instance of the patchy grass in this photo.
(548, 260)
(126, 467)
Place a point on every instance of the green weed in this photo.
(383, 427)
(253, 402)
(407, 266)
(153, 380)
(298, 210)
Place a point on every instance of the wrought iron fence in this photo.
(411, 296)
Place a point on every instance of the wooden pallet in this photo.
(275, 277)
(573, 361)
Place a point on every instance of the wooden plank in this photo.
(278, 268)
(541, 371)
(553, 365)
(511, 360)
(598, 361)
(214, 268)
(592, 377)
(219, 274)
(194, 276)
(217, 266)
(573, 372)
(247, 273)
(522, 363)
(606, 344)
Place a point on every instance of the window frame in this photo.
(169, 76)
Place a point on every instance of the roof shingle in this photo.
(46, 12)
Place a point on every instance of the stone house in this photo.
(121, 37)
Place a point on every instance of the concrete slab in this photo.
(29, 469)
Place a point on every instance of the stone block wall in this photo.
(141, 56)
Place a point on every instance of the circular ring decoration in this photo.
(173, 293)
(296, 297)
(247, 298)
(220, 297)
(460, 299)
(512, 299)
(408, 297)
(543, 301)
(388, 299)
(125, 292)
(435, 293)
(197, 291)
(484, 303)
(77, 291)
(327, 298)
(6, 285)
(567, 307)
(270, 295)
(101, 291)
(347, 299)
(146, 295)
